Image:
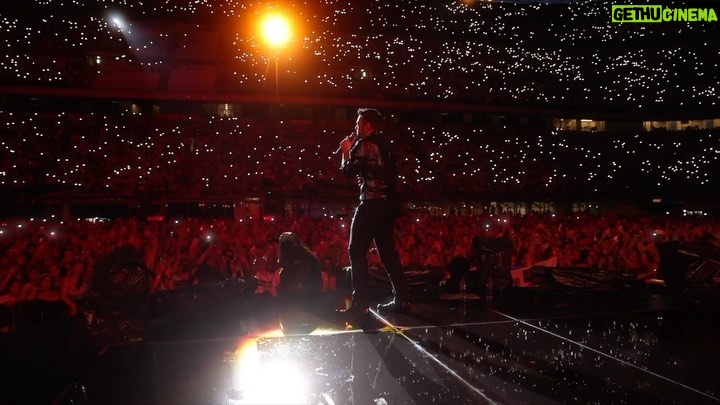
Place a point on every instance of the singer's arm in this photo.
(345, 146)
(357, 162)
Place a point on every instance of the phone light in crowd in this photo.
(208, 237)
(95, 220)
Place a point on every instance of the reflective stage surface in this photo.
(528, 347)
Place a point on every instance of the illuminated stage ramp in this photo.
(595, 349)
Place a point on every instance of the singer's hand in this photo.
(345, 145)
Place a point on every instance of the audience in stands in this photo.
(561, 54)
(142, 159)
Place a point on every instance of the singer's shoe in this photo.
(354, 310)
(395, 306)
(360, 318)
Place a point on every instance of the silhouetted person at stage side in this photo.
(459, 271)
(300, 275)
(367, 156)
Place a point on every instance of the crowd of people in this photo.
(55, 261)
(195, 157)
(509, 54)
(568, 54)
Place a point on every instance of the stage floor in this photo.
(530, 347)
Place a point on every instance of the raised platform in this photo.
(528, 346)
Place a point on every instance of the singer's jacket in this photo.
(371, 161)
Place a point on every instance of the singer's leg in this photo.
(388, 254)
(360, 238)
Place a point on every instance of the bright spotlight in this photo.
(116, 22)
(276, 30)
(264, 381)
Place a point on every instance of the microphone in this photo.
(352, 139)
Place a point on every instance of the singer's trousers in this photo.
(374, 221)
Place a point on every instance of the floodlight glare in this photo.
(276, 30)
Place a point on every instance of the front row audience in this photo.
(35, 267)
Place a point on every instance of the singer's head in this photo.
(369, 120)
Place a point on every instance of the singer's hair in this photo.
(372, 116)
